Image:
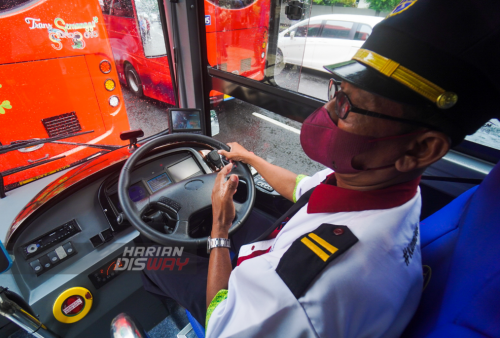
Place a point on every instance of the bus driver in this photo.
(346, 261)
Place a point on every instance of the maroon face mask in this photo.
(324, 142)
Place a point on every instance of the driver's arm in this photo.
(281, 179)
(219, 267)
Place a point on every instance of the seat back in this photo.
(461, 257)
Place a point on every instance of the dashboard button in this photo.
(53, 257)
(61, 253)
(45, 261)
(36, 266)
(68, 247)
(96, 241)
(107, 235)
(32, 248)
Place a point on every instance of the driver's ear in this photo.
(424, 150)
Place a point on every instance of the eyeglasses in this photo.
(343, 107)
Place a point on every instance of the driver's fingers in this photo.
(224, 153)
(219, 181)
(232, 184)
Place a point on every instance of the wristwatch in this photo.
(218, 243)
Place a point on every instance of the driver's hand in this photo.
(237, 153)
(222, 202)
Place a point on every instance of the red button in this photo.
(338, 232)
(73, 305)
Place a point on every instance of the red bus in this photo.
(237, 36)
(137, 41)
(59, 89)
(136, 36)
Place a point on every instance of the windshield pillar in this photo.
(185, 34)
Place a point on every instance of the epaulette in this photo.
(311, 253)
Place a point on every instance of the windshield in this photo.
(72, 82)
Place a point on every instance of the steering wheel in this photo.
(186, 197)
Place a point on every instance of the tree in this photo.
(383, 5)
(346, 3)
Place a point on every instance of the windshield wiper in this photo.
(30, 143)
(21, 168)
(29, 166)
(98, 146)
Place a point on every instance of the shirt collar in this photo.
(327, 197)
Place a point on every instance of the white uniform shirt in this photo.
(371, 290)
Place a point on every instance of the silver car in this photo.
(324, 40)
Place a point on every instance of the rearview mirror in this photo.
(292, 35)
(5, 261)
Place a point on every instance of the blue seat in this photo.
(461, 255)
(197, 328)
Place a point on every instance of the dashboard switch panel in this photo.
(53, 258)
(50, 239)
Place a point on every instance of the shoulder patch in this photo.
(311, 253)
(401, 7)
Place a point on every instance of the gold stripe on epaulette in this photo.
(323, 243)
(314, 248)
(410, 79)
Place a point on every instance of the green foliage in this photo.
(383, 5)
(346, 3)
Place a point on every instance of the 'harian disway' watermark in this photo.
(152, 258)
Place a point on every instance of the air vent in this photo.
(245, 65)
(223, 67)
(62, 124)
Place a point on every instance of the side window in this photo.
(313, 29)
(148, 18)
(337, 29)
(105, 6)
(301, 31)
(287, 34)
(122, 8)
(363, 32)
(232, 4)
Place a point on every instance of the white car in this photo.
(324, 40)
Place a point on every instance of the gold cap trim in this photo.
(442, 98)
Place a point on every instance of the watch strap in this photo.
(218, 243)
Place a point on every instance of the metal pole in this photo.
(22, 318)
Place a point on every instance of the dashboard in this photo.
(76, 241)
